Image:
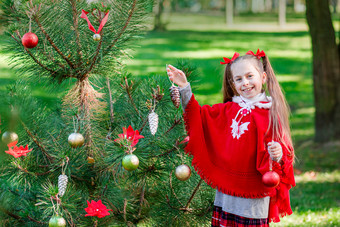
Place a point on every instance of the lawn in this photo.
(203, 40)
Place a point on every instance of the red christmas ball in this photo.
(271, 179)
(29, 40)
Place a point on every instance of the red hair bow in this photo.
(227, 60)
(259, 54)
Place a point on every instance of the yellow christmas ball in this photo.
(76, 140)
(96, 37)
(9, 137)
(183, 172)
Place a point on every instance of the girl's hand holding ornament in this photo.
(275, 151)
(177, 76)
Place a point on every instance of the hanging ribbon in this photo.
(259, 54)
(227, 60)
(102, 23)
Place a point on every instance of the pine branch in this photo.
(193, 193)
(52, 43)
(176, 122)
(31, 55)
(95, 57)
(11, 214)
(36, 141)
(173, 191)
(111, 103)
(127, 89)
(132, 10)
(36, 221)
(76, 29)
(141, 200)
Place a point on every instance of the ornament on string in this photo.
(96, 36)
(153, 119)
(130, 162)
(62, 179)
(76, 139)
(183, 172)
(9, 137)
(271, 179)
(128, 139)
(29, 40)
(175, 96)
(57, 221)
(174, 93)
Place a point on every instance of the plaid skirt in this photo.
(224, 219)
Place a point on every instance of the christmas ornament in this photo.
(90, 160)
(56, 221)
(62, 184)
(271, 179)
(9, 137)
(130, 162)
(153, 122)
(76, 140)
(96, 37)
(175, 96)
(96, 209)
(17, 151)
(183, 172)
(29, 40)
(129, 137)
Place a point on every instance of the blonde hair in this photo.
(279, 111)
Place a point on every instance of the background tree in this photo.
(100, 99)
(326, 71)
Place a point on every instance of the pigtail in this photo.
(228, 87)
(279, 112)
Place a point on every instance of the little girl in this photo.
(235, 142)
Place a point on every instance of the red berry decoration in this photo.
(271, 179)
(29, 40)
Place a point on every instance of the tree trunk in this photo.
(159, 8)
(326, 71)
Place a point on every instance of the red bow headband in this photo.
(227, 60)
(259, 54)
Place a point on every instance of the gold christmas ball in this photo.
(130, 162)
(183, 172)
(90, 160)
(9, 137)
(96, 37)
(76, 140)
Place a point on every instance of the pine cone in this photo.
(62, 183)
(153, 122)
(175, 96)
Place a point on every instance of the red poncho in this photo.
(230, 153)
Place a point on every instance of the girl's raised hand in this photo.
(177, 76)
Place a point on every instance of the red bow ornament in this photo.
(102, 23)
(259, 54)
(17, 151)
(96, 209)
(227, 60)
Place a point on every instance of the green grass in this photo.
(204, 40)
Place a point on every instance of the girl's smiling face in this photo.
(248, 80)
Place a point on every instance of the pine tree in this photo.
(102, 100)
